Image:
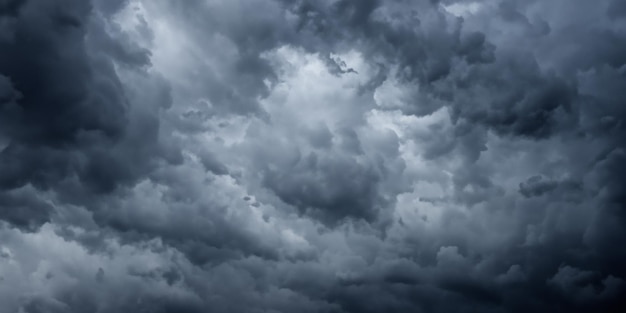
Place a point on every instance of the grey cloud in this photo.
(536, 186)
(65, 110)
(616, 9)
(24, 208)
(331, 188)
(160, 156)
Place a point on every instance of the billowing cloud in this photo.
(312, 156)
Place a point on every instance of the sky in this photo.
(339, 156)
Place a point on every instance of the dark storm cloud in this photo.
(48, 41)
(330, 189)
(510, 94)
(489, 177)
(64, 112)
(537, 186)
(24, 208)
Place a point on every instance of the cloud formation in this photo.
(312, 156)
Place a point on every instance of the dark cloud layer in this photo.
(312, 156)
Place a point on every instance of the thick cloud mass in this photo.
(312, 156)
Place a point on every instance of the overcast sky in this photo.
(340, 156)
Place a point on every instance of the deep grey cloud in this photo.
(312, 156)
(65, 112)
(331, 189)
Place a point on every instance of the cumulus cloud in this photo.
(312, 156)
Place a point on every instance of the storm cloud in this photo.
(312, 156)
